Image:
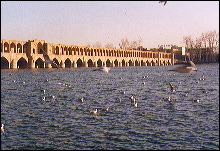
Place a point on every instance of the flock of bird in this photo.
(188, 67)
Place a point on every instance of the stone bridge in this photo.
(28, 54)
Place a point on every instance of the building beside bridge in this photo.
(28, 54)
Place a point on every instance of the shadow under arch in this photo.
(22, 63)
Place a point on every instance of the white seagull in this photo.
(2, 128)
(187, 68)
(47, 59)
(105, 69)
(82, 99)
(107, 109)
(135, 104)
(94, 111)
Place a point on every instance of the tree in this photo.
(188, 41)
(189, 46)
(132, 45)
(88, 45)
(110, 46)
(205, 48)
(97, 44)
(124, 44)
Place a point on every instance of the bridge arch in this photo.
(136, 63)
(79, 63)
(130, 63)
(56, 61)
(4, 63)
(116, 63)
(99, 63)
(153, 63)
(108, 63)
(90, 63)
(39, 63)
(67, 63)
(143, 63)
(22, 63)
(123, 63)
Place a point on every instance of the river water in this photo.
(42, 109)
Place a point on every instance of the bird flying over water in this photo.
(47, 59)
(105, 69)
(187, 68)
(171, 88)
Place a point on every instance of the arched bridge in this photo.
(27, 54)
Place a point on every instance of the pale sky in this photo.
(83, 22)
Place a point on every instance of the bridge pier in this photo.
(61, 65)
(47, 65)
(13, 64)
(31, 63)
(172, 59)
(95, 64)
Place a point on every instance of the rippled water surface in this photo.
(41, 109)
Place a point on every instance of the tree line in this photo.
(124, 44)
(204, 49)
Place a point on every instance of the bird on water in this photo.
(188, 67)
(2, 128)
(47, 59)
(105, 69)
(94, 111)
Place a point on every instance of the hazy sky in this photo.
(83, 22)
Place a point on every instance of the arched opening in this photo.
(148, 63)
(116, 63)
(130, 63)
(39, 47)
(22, 63)
(6, 47)
(136, 63)
(142, 63)
(39, 63)
(99, 63)
(164, 63)
(65, 50)
(67, 63)
(108, 63)
(19, 48)
(79, 63)
(152, 63)
(123, 62)
(90, 63)
(57, 50)
(4, 63)
(12, 47)
(57, 62)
